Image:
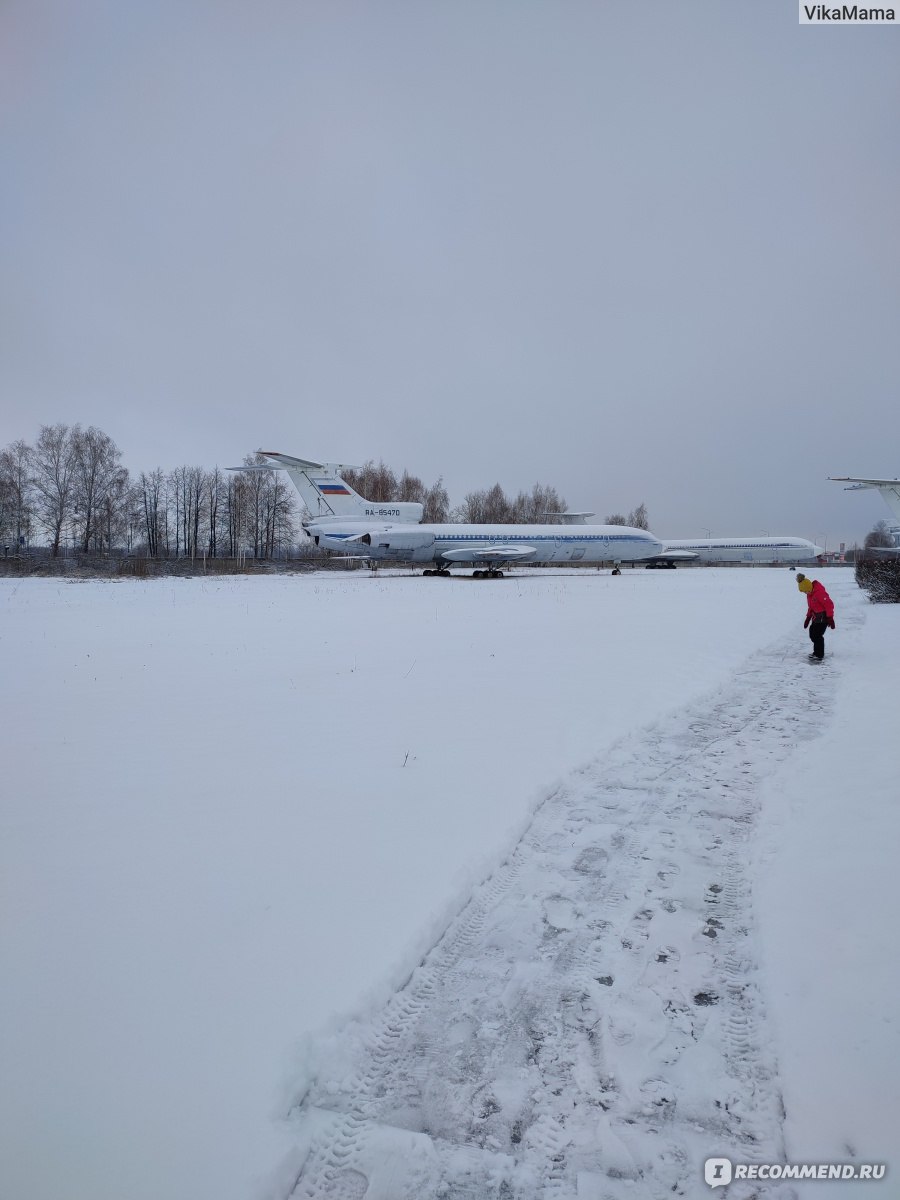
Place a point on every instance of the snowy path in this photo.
(591, 1025)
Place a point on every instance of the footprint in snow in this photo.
(667, 954)
(637, 931)
(591, 860)
(559, 913)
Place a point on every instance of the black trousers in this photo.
(817, 627)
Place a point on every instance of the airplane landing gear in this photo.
(444, 572)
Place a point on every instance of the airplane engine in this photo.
(408, 544)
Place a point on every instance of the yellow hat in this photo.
(804, 584)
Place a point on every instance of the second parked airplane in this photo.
(738, 550)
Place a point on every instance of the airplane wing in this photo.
(490, 554)
(674, 556)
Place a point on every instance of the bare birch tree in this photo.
(537, 506)
(410, 488)
(16, 502)
(152, 503)
(114, 513)
(97, 480)
(54, 481)
(195, 496)
(214, 486)
(378, 483)
(280, 529)
(878, 537)
(637, 518)
(235, 509)
(490, 506)
(7, 509)
(437, 504)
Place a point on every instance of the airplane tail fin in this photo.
(327, 495)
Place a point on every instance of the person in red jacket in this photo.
(819, 613)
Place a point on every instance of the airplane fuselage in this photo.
(458, 543)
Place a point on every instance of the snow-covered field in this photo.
(401, 887)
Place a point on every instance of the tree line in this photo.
(71, 490)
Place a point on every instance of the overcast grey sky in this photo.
(639, 251)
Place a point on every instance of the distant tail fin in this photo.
(326, 494)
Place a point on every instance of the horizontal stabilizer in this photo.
(288, 460)
(570, 518)
(305, 464)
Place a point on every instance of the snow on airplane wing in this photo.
(679, 555)
(504, 553)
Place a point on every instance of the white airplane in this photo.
(737, 549)
(342, 520)
(890, 494)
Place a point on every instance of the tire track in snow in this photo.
(592, 1023)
